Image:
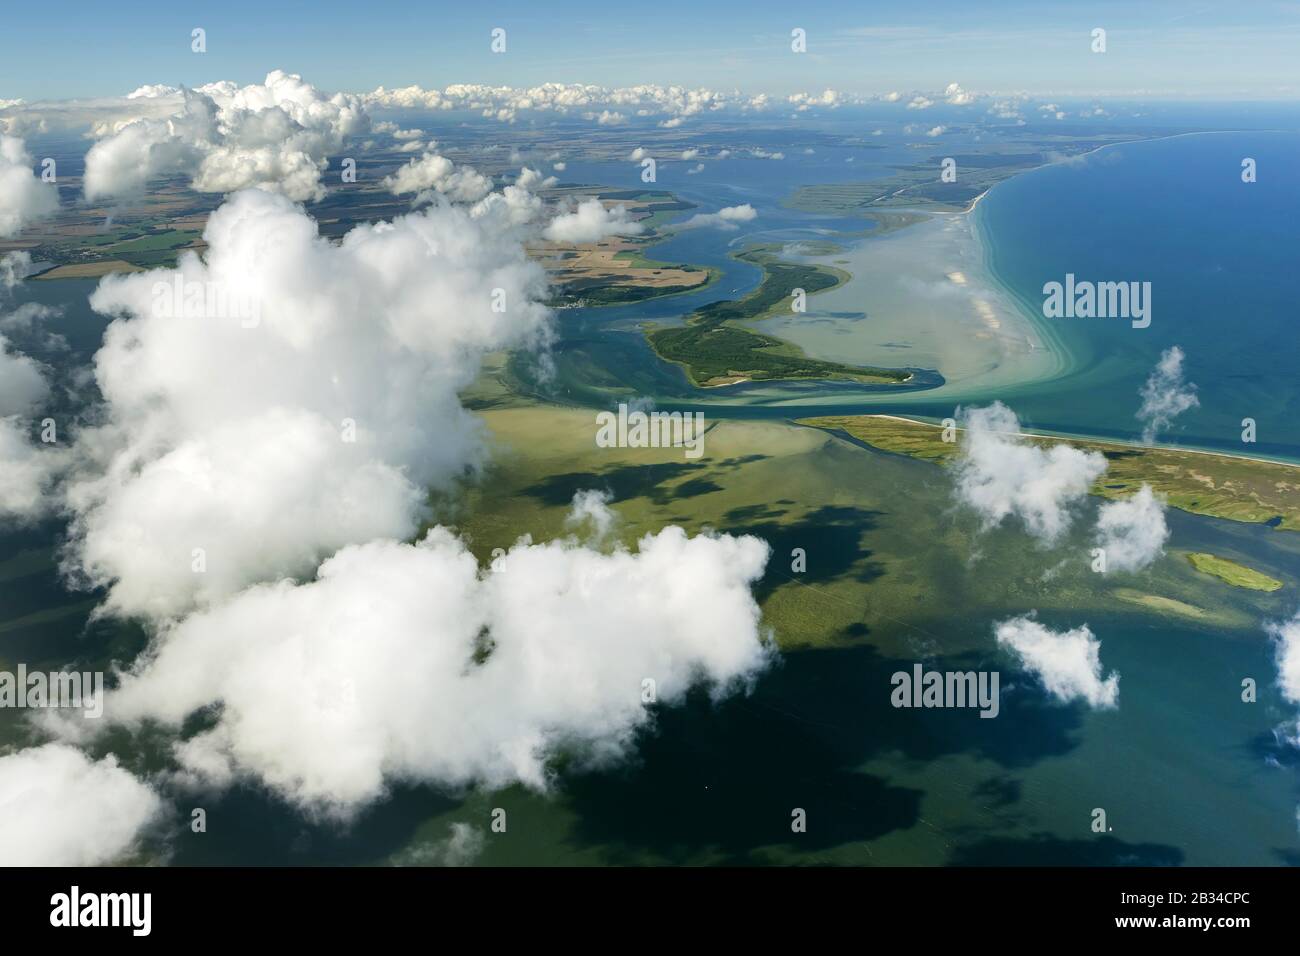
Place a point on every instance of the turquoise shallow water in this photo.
(1173, 212)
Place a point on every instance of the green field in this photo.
(1230, 572)
(1240, 489)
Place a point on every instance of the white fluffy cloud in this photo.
(724, 218)
(23, 197)
(276, 135)
(954, 95)
(14, 266)
(332, 690)
(1165, 395)
(271, 447)
(1067, 662)
(1132, 531)
(505, 102)
(26, 470)
(1287, 645)
(282, 400)
(1000, 474)
(435, 173)
(591, 222)
(803, 101)
(59, 808)
(22, 384)
(26, 473)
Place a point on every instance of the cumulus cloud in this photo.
(407, 662)
(26, 470)
(591, 508)
(1286, 636)
(60, 808)
(1133, 531)
(23, 197)
(435, 173)
(1165, 395)
(26, 474)
(268, 445)
(600, 103)
(1000, 474)
(954, 95)
(724, 218)
(22, 383)
(1067, 662)
(591, 222)
(276, 135)
(805, 101)
(14, 267)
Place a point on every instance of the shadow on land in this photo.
(831, 538)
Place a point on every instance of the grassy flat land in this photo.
(715, 349)
(1230, 572)
(1240, 489)
(1161, 604)
(89, 270)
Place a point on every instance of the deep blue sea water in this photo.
(1220, 255)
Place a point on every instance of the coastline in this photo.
(1111, 442)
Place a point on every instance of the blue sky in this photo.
(1241, 50)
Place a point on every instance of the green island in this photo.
(616, 270)
(1230, 572)
(715, 349)
(1221, 486)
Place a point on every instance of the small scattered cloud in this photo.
(1132, 532)
(591, 222)
(1000, 474)
(1165, 395)
(23, 197)
(1068, 663)
(725, 218)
